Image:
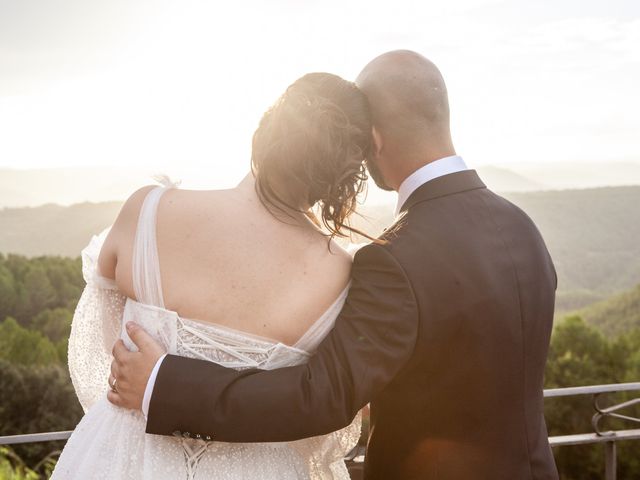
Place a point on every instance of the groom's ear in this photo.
(377, 140)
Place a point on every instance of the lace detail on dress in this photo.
(322, 456)
(193, 452)
(196, 342)
(95, 328)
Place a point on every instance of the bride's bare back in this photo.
(225, 259)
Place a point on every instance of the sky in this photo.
(179, 86)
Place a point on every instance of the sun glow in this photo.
(179, 87)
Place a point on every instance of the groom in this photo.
(445, 330)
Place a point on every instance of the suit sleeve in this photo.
(373, 338)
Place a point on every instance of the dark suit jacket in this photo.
(445, 331)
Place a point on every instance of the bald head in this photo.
(409, 102)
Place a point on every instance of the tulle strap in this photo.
(147, 284)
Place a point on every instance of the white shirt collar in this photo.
(438, 168)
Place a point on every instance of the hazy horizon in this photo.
(30, 187)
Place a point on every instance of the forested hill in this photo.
(616, 315)
(594, 238)
(593, 235)
(53, 229)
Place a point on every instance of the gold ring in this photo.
(113, 386)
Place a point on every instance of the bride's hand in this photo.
(130, 371)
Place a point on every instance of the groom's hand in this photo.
(131, 370)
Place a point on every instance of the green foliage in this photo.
(37, 298)
(616, 315)
(54, 323)
(628, 347)
(580, 355)
(36, 399)
(40, 283)
(36, 293)
(22, 346)
(13, 468)
(8, 294)
(62, 348)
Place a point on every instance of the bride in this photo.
(244, 277)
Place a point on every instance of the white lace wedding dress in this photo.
(111, 443)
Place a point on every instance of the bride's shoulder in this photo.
(121, 229)
(131, 208)
(137, 197)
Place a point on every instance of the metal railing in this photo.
(608, 438)
(35, 437)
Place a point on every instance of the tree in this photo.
(577, 356)
(54, 323)
(580, 355)
(627, 347)
(36, 399)
(30, 285)
(8, 295)
(36, 295)
(25, 347)
(12, 467)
